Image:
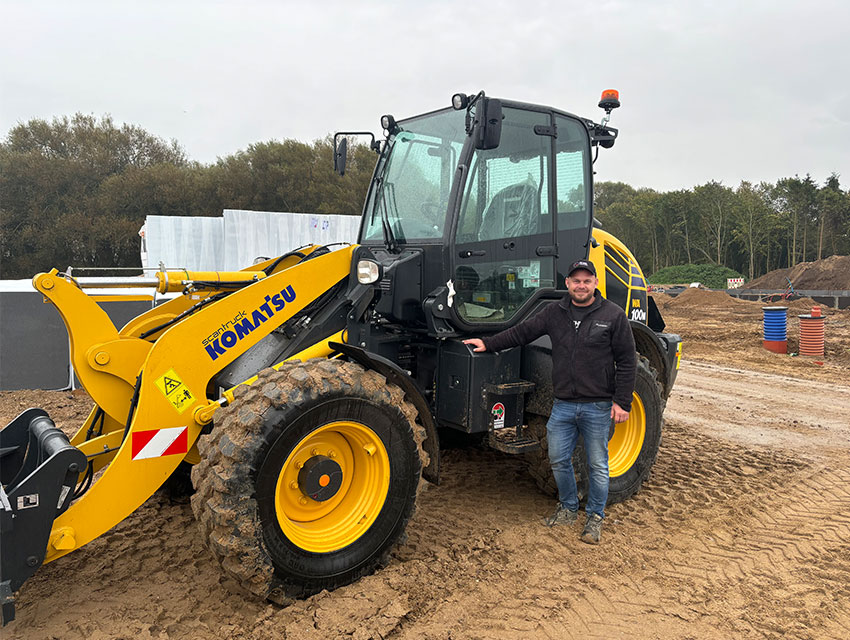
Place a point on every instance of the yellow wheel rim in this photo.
(624, 447)
(331, 524)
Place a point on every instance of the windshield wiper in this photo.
(389, 237)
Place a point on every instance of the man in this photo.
(593, 377)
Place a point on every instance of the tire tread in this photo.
(224, 504)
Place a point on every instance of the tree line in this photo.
(752, 228)
(76, 190)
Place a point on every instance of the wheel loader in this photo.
(307, 393)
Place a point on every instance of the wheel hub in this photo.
(332, 486)
(320, 478)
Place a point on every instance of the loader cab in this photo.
(494, 227)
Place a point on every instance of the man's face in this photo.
(581, 285)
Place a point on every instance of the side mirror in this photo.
(340, 154)
(490, 124)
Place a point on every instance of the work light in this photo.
(460, 101)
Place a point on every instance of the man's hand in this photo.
(617, 413)
(478, 343)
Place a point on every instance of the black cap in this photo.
(587, 265)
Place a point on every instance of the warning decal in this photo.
(175, 391)
(170, 384)
(159, 442)
(498, 412)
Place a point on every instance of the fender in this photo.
(661, 357)
(393, 373)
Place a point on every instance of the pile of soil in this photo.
(829, 274)
(718, 328)
(707, 298)
(693, 298)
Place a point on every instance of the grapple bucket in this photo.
(39, 469)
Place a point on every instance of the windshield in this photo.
(411, 190)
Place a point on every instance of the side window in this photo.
(573, 192)
(505, 223)
(571, 160)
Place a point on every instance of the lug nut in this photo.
(302, 500)
(293, 485)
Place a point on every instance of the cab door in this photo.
(504, 240)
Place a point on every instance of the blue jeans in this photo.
(593, 421)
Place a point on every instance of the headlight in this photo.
(368, 272)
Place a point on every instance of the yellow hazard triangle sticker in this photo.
(175, 391)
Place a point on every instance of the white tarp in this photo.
(189, 242)
(21, 286)
(249, 235)
(238, 238)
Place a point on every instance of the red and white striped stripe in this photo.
(160, 442)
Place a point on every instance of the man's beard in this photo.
(581, 297)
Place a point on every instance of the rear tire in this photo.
(309, 478)
(631, 451)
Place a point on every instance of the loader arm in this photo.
(145, 326)
(175, 370)
(152, 396)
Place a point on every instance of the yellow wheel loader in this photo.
(308, 392)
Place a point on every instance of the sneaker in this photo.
(562, 515)
(592, 529)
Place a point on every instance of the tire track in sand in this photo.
(728, 535)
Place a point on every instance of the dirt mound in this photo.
(829, 274)
(691, 298)
(805, 305)
(661, 299)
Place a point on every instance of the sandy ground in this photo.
(742, 530)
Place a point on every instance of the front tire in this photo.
(309, 479)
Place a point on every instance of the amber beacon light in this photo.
(610, 100)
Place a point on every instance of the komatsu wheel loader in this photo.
(308, 392)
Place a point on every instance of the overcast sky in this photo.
(710, 90)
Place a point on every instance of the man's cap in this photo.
(581, 264)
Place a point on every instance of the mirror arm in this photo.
(341, 147)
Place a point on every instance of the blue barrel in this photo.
(775, 329)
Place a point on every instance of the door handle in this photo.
(469, 254)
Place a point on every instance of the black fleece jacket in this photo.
(595, 363)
